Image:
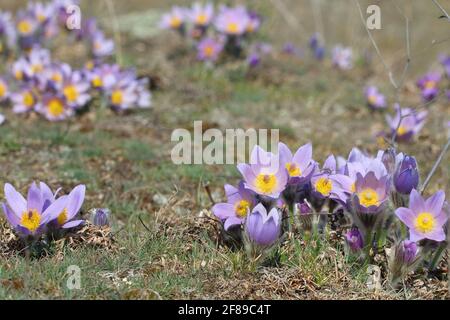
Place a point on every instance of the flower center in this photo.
(175, 22)
(97, 82)
(19, 75)
(324, 186)
(71, 93)
(2, 90)
(24, 27)
(55, 107)
(368, 197)
(31, 220)
(117, 97)
(202, 19)
(372, 99)
(62, 218)
(208, 51)
(241, 208)
(425, 222)
(353, 187)
(430, 84)
(28, 99)
(232, 27)
(36, 68)
(401, 130)
(266, 183)
(293, 169)
(56, 77)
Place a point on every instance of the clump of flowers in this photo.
(215, 32)
(43, 214)
(406, 123)
(282, 192)
(35, 82)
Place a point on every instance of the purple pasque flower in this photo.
(42, 12)
(24, 100)
(101, 46)
(54, 107)
(342, 57)
(304, 208)
(263, 228)
(424, 218)
(26, 25)
(240, 202)
(265, 174)
(321, 182)
(144, 96)
(407, 251)
(4, 90)
(406, 176)
(354, 240)
(34, 63)
(209, 49)
(445, 61)
(254, 22)
(175, 19)
(406, 123)
(429, 84)
(104, 77)
(75, 89)
(69, 206)
(300, 166)
(123, 94)
(28, 216)
(371, 194)
(232, 21)
(53, 76)
(316, 46)
(100, 217)
(254, 60)
(201, 15)
(375, 99)
(8, 33)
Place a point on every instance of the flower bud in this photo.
(406, 177)
(354, 240)
(100, 217)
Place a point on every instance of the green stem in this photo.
(437, 256)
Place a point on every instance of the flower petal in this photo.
(15, 200)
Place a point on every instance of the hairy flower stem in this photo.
(437, 256)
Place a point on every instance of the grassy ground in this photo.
(160, 246)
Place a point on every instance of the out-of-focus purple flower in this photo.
(144, 96)
(75, 90)
(265, 174)
(445, 61)
(101, 46)
(104, 76)
(342, 57)
(54, 107)
(24, 100)
(254, 22)
(263, 228)
(240, 203)
(174, 19)
(42, 12)
(375, 99)
(209, 49)
(28, 216)
(201, 15)
(406, 177)
(123, 94)
(424, 218)
(232, 21)
(429, 84)
(254, 60)
(289, 48)
(70, 206)
(299, 166)
(354, 240)
(4, 90)
(406, 123)
(100, 217)
(316, 46)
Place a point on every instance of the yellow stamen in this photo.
(97, 82)
(401, 131)
(425, 222)
(242, 208)
(2, 90)
(62, 218)
(372, 99)
(293, 170)
(232, 28)
(57, 77)
(36, 68)
(266, 183)
(208, 51)
(368, 197)
(31, 220)
(175, 22)
(353, 187)
(28, 99)
(430, 84)
(117, 97)
(19, 75)
(201, 19)
(71, 93)
(24, 27)
(324, 186)
(55, 107)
